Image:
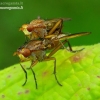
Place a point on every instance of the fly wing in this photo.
(57, 19)
(54, 26)
(74, 35)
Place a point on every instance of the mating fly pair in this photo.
(43, 35)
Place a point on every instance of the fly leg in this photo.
(59, 23)
(25, 74)
(70, 47)
(72, 36)
(52, 58)
(56, 49)
(33, 64)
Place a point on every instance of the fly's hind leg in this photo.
(65, 38)
(70, 48)
(59, 23)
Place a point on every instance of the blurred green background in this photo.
(85, 16)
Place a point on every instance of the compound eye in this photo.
(30, 28)
(25, 52)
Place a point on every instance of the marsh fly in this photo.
(40, 28)
(36, 50)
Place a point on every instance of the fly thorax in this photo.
(40, 55)
(33, 56)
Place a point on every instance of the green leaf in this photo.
(79, 74)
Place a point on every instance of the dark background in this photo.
(85, 16)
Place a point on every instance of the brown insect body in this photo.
(37, 48)
(40, 28)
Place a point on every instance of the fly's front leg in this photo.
(25, 74)
(26, 39)
(33, 64)
(52, 58)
